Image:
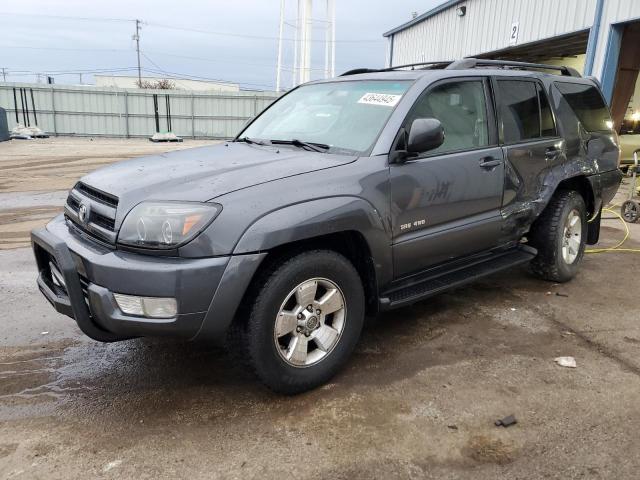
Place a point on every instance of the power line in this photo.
(69, 72)
(153, 52)
(186, 76)
(70, 49)
(185, 29)
(68, 17)
(254, 37)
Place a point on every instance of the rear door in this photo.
(531, 145)
(445, 203)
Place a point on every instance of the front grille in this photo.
(97, 195)
(103, 221)
(73, 203)
(100, 222)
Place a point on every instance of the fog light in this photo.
(152, 307)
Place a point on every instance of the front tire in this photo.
(559, 235)
(301, 321)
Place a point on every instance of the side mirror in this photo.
(425, 134)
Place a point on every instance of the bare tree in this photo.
(162, 84)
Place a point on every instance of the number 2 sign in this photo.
(513, 37)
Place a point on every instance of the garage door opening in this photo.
(566, 50)
(625, 96)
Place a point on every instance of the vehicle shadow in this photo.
(157, 378)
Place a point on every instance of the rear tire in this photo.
(292, 348)
(559, 235)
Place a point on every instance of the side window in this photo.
(519, 110)
(587, 105)
(462, 110)
(547, 125)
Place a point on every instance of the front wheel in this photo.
(559, 236)
(301, 321)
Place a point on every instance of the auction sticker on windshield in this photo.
(384, 99)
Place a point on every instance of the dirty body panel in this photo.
(447, 207)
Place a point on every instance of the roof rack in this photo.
(424, 65)
(467, 63)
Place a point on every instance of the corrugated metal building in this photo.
(598, 37)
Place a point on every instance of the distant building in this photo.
(131, 81)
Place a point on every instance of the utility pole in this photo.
(279, 62)
(136, 37)
(80, 78)
(4, 74)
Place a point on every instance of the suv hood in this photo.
(201, 174)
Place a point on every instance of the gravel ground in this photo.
(418, 399)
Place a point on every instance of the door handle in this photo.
(551, 152)
(489, 162)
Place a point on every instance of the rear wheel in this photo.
(301, 321)
(559, 236)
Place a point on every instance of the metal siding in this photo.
(107, 111)
(486, 27)
(615, 11)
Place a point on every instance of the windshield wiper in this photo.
(250, 141)
(315, 147)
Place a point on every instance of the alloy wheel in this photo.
(310, 322)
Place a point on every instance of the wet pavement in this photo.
(418, 399)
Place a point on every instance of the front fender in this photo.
(314, 218)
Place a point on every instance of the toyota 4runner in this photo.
(345, 197)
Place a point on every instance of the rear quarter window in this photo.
(587, 104)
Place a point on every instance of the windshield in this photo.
(346, 116)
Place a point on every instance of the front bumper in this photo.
(91, 273)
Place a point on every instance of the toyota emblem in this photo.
(83, 213)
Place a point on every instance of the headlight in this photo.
(165, 224)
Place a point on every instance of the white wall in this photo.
(127, 81)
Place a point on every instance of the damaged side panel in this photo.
(535, 170)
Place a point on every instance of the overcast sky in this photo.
(34, 39)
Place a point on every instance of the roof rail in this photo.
(467, 63)
(397, 67)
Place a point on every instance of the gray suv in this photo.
(344, 198)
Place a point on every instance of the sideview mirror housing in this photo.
(425, 134)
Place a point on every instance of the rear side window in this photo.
(519, 110)
(587, 105)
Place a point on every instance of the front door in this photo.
(445, 203)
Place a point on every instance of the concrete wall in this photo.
(92, 111)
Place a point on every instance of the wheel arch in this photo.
(585, 187)
(347, 224)
(350, 226)
(588, 188)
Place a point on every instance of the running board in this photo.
(440, 279)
